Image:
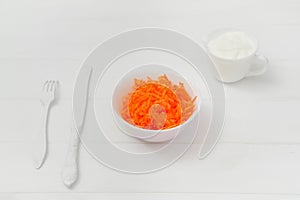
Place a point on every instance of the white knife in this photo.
(70, 169)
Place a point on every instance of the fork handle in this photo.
(70, 168)
(40, 142)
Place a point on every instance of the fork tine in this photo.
(49, 86)
(45, 86)
(53, 84)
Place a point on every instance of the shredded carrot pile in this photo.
(157, 104)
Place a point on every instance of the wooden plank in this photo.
(75, 29)
(23, 79)
(246, 122)
(145, 196)
(232, 168)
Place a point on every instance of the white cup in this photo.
(234, 69)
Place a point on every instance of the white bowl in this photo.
(124, 86)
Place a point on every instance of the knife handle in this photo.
(70, 168)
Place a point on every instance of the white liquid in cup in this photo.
(232, 45)
(234, 55)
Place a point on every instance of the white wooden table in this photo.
(258, 156)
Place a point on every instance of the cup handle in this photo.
(259, 66)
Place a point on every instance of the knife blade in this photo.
(81, 94)
(70, 169)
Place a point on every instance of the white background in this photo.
(258, 156)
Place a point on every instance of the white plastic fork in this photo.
(40, 143)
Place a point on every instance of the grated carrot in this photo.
(157, 104)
